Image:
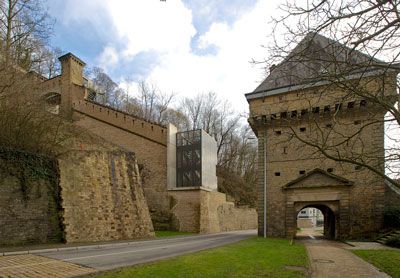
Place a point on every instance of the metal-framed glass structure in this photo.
(188, 158)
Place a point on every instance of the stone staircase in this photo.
(383, 238)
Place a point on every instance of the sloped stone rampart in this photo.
(102, 197)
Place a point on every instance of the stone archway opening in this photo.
(316, 221)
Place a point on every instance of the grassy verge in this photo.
(386, 260)
(171, 233)
(254, 257)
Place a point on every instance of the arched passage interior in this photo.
(328, 217)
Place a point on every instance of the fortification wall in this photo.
(102, 197)
(206, 212)
(133, 134)
(29, 199)
(134, 125)
(218, 215)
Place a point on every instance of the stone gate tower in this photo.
(299, 102)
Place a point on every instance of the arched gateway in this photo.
(295, 107)
(322, 190)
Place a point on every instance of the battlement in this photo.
(135, 125)
(325, 111)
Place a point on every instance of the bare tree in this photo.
(208, 112)
(22, 24)
(357, 35)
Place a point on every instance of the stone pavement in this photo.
(331, 259)
(22, 266)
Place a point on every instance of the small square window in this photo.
(329, 170)
(273, 116)
(302, 172)
(357, 122)
(293, 114)
(302, 129)
(328, 125)
(338, 106)
(277, 174)
(315, 110)
(278, 132)
(350, 105)
(283, 115)
(304, 112)
(363, 103)
(358, 167)
(327, 109)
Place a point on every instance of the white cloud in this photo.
(152, 25)
(166, 28)
(229, 73)
(109, 57)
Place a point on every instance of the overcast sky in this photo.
(183, 46)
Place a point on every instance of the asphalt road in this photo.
(109, 257)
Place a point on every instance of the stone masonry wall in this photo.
(102, 197)
(29, 199)
(205, 212)
(287, 157)
(151, 156)
(218, 215)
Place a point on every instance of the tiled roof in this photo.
(317, 58)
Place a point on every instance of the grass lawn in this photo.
(171, 233)
(255, 257)
(386, 260)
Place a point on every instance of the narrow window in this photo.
(294, 114)
(284, 150)
(283, 115)
(304, 112)
(327, 109)
(273, 116)
(363, 103)
(277, 174)
(350, 105)
(302, 129)
(264, 118)
(329, 170)
(315, 110)
(338, 106)
(302, 172)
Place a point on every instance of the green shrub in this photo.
(392, 218)
(393, 241)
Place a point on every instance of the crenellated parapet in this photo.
(119, 119)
